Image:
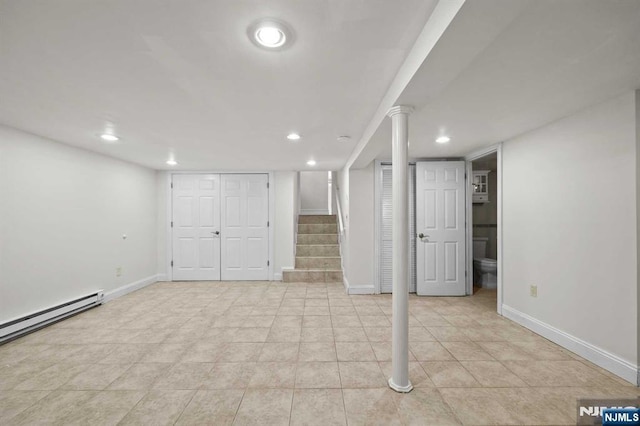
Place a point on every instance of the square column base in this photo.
(400, 389)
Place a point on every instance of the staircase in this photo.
(317, 251)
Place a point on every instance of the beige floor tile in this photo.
(241, 352)
(425, 406)
(250, 335)
(212, 407)
(355, 351)
(316, 310)
(159, 407)
(448, 334)
(52, 377)
(288, 321)
(140, 376)
(378, 334)
(505, 351)
(492, 374)
(317, 351)
(279, 352)
(317, 335)
(235, 375)
(165, 352)
(184, 376)
(12, 375)
(13, 403)
(318, 407)
(96, 378)
(316, 321)
(175, 336)
(53, 408)
(420, 334)
(254, 321)
(274, 375)
(265, 407)
(449, 374)
(361, 375)
(429, 351)
(375, 321)
(339, 310)
(558, 373)
(467, 351)
(350, 334)
(371, 407)
(315, 375)
(127, 353)
(284, 334)
(345, 321)
(106, 408)
(204, 352)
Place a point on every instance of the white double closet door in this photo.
(220, 228)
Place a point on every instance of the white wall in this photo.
(356, 194)
(62, 216)
(570, 226)
(286, 211)
(314, 192)
(361, 230)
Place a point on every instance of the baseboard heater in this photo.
(32, 322)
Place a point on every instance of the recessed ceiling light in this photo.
(271, 34)
(109, 137)
(343, 138)
(311, 163)
(443, 139)
(172, 162)
(293, 137)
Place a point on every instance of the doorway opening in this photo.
(484, 222)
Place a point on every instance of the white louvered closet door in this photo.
(386, 246)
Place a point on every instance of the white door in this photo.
(440, 215)
(196, 227)
(244, 228)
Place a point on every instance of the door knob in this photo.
(216, 232)
(421, 236)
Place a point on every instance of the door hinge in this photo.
(172, 263)
(267, 263)
(267, 224)
(172, 224)
(267, 185)
(171, 185)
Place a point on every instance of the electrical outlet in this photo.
(533, 290)
(119, 271)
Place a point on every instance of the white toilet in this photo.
(484, 269)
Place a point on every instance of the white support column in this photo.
(399, 380)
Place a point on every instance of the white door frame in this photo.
(169, 213)
(497, 148)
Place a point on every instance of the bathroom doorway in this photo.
(484, 233)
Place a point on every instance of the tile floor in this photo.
(289, 353)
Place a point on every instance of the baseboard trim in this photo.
(596, 355)
(162, 277)
(345, 282)
(128, 288)
(277, 276)
(361, 289)
(308, 212)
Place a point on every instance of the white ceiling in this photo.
(504, 67)
(182, 77)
